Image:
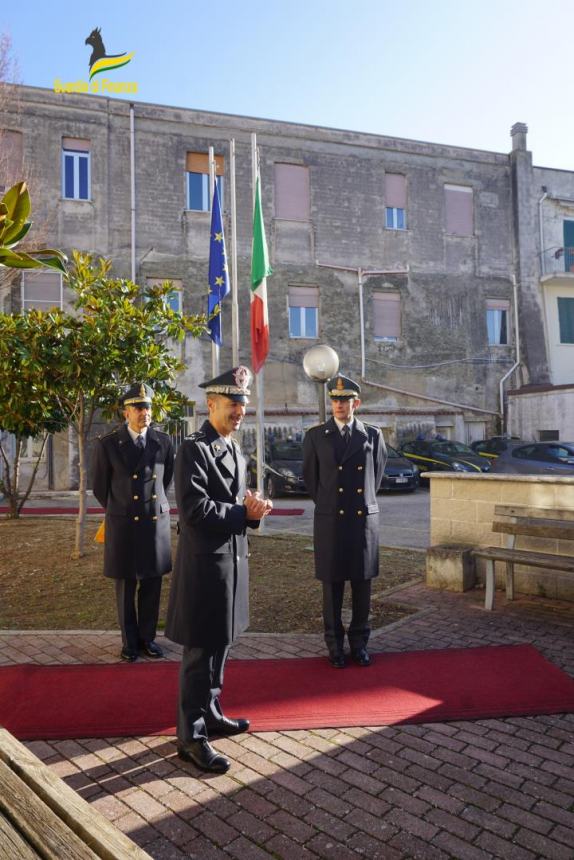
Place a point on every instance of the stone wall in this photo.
(462, 511)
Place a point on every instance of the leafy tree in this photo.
(28, 407)
(119, 334)
(14, 225)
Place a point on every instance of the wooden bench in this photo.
(41, 816)
(515, 520)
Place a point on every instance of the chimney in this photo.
(518, 134)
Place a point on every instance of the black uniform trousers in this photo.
(138, 626)
(200, 685)
(201, 677)
(359, 629)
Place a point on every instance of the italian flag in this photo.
(260, 268)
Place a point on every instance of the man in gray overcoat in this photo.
(343, 465)
(132, 469)
(209, 597)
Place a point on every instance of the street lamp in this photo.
(320, 363)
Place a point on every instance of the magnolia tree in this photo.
(119, 334)
(27, 406)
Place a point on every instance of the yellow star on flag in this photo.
(218, 237)
(219, 282)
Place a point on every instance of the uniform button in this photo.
(360, 490)
(359, 513)
(154, 518)
(136, 519)
(154, 496)
(136, 498)
(154, 476)
(359, 468)
(340, 489)
(340, 468)
(134, 477)
(341, 512)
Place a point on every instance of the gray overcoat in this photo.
(343, 483)
(209, 596)
(131, 486)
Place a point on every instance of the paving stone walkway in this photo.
(484, 789)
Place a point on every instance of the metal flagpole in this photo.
(234, 293)
(260, 426)
(214, 346)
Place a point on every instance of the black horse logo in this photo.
(100, 61)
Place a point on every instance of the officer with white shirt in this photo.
(132, 470)
(343, 466)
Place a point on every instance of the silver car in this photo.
(536, 458)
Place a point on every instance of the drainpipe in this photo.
(133, 190)
(430, 399)
(517, 362)
(541, 227)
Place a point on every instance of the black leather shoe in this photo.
(337, 659)
(151, 649)
(129, 655)
(202, 755)
(227, 726)
(361, 657)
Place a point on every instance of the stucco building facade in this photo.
(453, 235)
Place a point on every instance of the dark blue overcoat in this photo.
(343, 483)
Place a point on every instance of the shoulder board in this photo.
(161, 433)
(110, 434)
(314, 427)
(372, 426)
(195, 437)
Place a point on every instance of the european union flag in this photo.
(218, 274)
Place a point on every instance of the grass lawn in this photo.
(42, 588)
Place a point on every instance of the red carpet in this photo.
(35, 512)
(49, 702)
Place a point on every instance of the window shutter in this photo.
(387, 315)
(395, 190)
(303, 297)
(198, 162)
(292, 200)
(459, 210)
(11, 147)
(75, 144)
(41, 290)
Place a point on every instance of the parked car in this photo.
(283, 471)
(494, 446)
(400, 473)
(536, 458)
(444, 456)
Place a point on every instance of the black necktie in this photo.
(140, 443)
(346, 434)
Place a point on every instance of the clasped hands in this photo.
(256, 507)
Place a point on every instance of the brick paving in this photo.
(500, 788)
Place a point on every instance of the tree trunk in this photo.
(10, 480)
(82, 431)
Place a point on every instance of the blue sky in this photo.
(447, 71)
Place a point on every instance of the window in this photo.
(395, 201)
(197, 168)
(497, 322)
(292, 199)
(11, 150)
(459, 210)
(566, 320)
(173, 299)
(549, 435)
(75, 169)
(386, 316)
(303, 312)
(41, 290)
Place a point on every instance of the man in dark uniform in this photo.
(209, 597)
(132, 469)
(343, 465)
